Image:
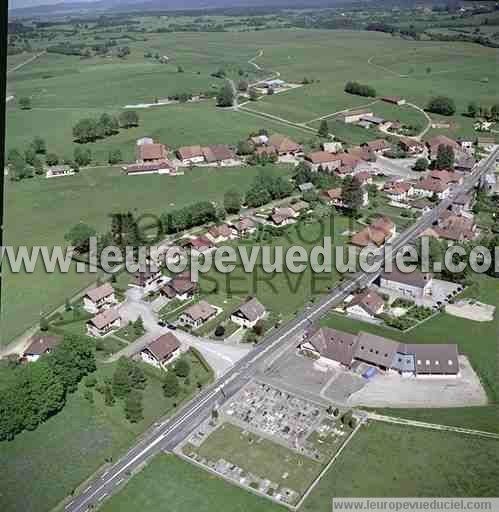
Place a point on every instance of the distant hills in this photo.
(66, 7)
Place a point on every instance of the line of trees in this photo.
(266, 188)
(89, 129)
(491, 114)
(38, 390)
(30, 162)
(190, 216)
(360, 89)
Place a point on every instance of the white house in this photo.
(197, 314)
(399, 191)
(414, 285)
(190, 155)
(322, 159)
(99, 298)
(40, 344)
(161, 351)
(428, 187)
(103, 323)
(248, 314)
(332, 147)
(57, 171)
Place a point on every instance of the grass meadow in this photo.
(168, 479)
(385, 460)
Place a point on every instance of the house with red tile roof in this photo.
(378, 233)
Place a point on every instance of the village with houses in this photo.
(262, 381)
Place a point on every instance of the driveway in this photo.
(219, 355)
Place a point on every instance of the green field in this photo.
(42, 467)
(259, 456)
(281, 292)
(173, 125)
(477, 340)
(386, 460)
(183, 487)
(58, 204)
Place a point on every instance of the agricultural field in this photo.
(168, 479)
(69, 447)
(476, 340)
(58, 204)
(173, 125)
(397, 461)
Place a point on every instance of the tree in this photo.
(219, 331)
(38, 166)
(129, 119)
(89, 396)
(242, 85)
(226, 95)
(445, 157)
(44, 324)
(171, 386)
(351, 194)
(182, 368)
(121, 379)
(52, 159)
(323, 129)
(138, 326)
(472, 109)
(303, 174)
(73, 359)
(257, 196)
(134, 409)
(442, 105)
(244, 147)
(29, 156)
(421, 164)
(108, 395)
(82, 156)
(253, 94)
(180, 69)
(39, 145)
(25, 103)
(115, 156)
(85, 130)
(232, 201)
(360, 89)
(79, 236)
(107, 125)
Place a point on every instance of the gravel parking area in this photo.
(343, 386)
(299, 374)
(391, 390)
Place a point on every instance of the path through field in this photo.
(22, 64)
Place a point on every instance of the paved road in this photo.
(165, 435)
